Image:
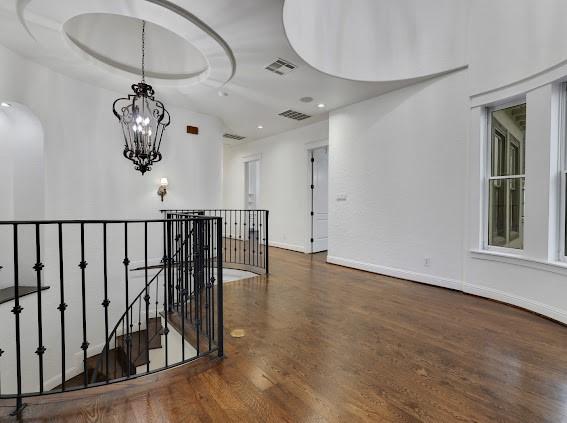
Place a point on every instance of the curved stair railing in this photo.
(244, 236)
(174, 267)
(123, 354)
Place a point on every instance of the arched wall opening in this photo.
(22, 187)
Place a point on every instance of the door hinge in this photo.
(312, 186)
(312, 214)
(312, 159)
(312, 240)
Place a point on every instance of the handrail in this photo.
(92, 221)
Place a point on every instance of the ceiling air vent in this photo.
(281, 67)
(292, 114)
(233, 136)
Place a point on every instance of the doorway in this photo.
(319, 213)
(251, 198)
(252, 184)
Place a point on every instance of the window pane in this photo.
(506, 213)
(508, 141)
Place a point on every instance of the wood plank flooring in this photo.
(330, 344)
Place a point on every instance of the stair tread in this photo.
(138, 350)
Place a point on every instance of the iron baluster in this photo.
(106, 301)
(38, 268)
(85, 344)
(220, 295)
(147, 297)
(266, 255)
(17, 311)
(62, 306)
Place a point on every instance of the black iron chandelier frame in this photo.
(143, 120)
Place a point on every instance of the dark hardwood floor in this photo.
(329, 344)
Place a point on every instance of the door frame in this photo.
(309, 147)
(245, 160)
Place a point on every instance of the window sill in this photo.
(521, 260)
(8, 294)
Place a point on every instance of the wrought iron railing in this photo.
(125, 298)
(244, 234)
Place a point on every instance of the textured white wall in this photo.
(400, 160)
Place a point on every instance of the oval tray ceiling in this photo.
(107, 32)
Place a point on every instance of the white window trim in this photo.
(557, 267)
(561, 250)
(487, 177)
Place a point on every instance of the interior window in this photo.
(507, 177)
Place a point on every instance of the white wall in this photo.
(86, 177)
(283, 181)
(399, 159)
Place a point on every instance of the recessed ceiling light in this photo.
(4, 104)
(260, 127)
(222, 93)
(306, 99)
(321, 105)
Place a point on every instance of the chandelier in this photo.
(143, 120)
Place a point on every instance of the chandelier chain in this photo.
(143, 51)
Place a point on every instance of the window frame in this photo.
(487, 178)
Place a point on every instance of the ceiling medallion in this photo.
(143, 120)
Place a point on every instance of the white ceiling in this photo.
(379, 40)
(252, 28)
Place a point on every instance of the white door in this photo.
(320, 199)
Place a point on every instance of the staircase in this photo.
(119, 363)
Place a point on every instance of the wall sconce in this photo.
(162, 190)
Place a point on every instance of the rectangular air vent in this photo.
(233, 136)
(281, 66)
(292, 114)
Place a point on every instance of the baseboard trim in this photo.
(292, 247)
(542, 309)
(398, 273)
(527, 304)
